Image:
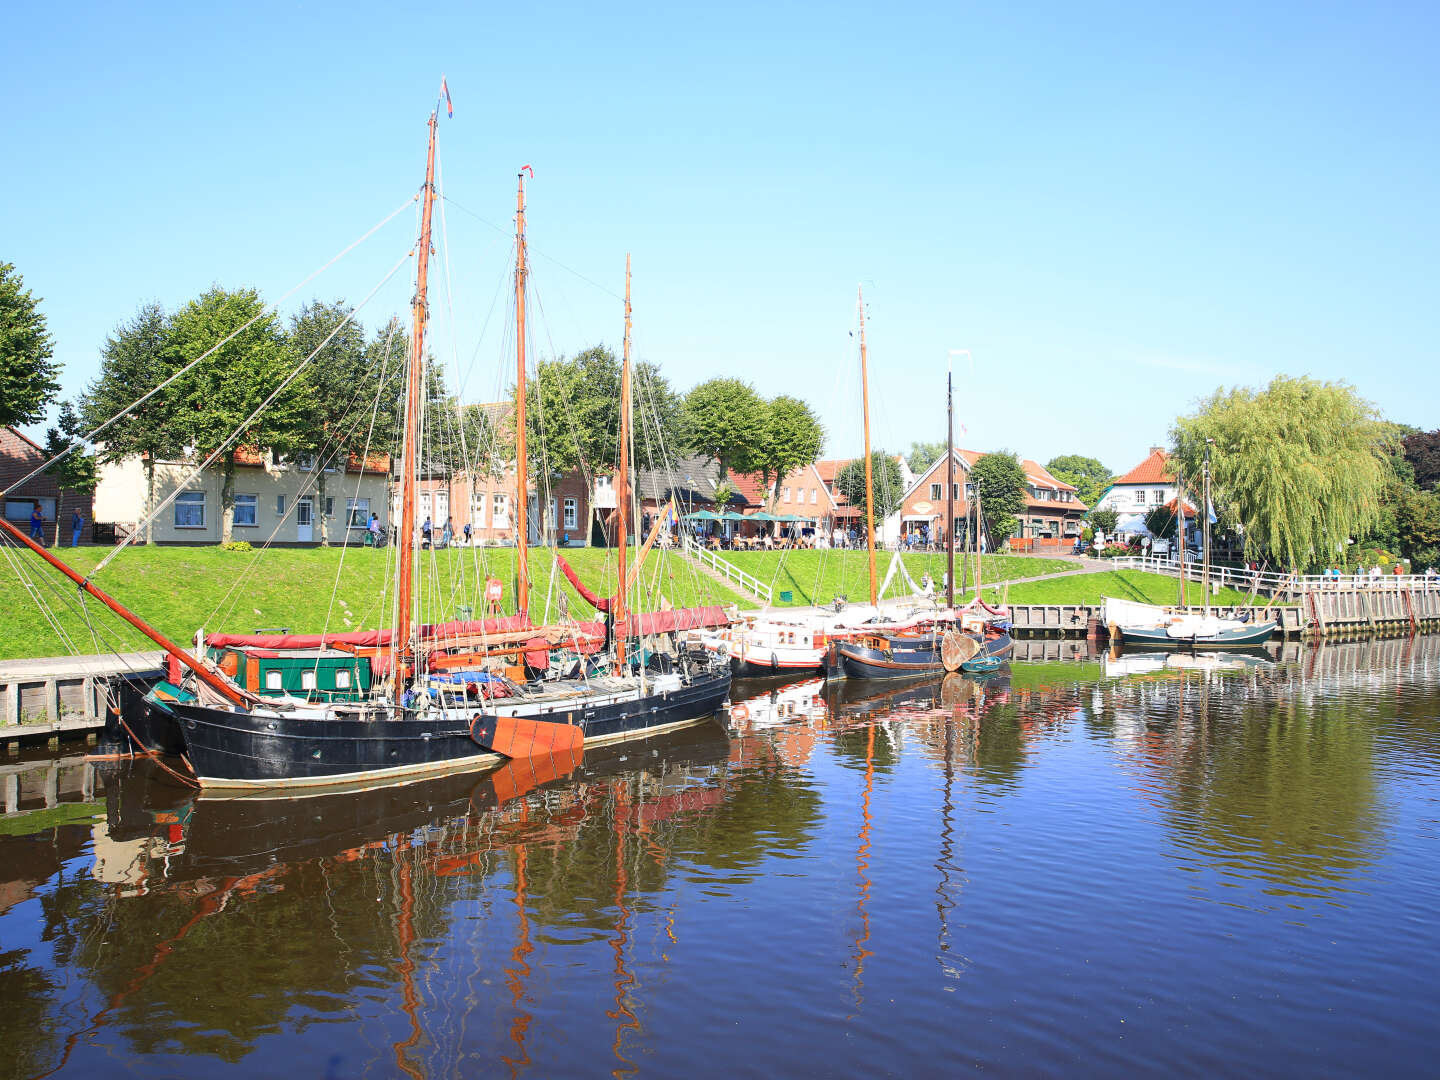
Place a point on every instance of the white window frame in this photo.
(274, 680)
(500, 511)
(935, 490)
(1140, 497)
(250, 502)
(280, 505)
(572, 512)
(189, 500)
(360, 521)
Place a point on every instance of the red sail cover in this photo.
(590, 598)
(371, 639)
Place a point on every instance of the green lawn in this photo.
(817, 577)
(1121, 584)
(179, 590)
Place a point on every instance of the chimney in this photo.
(1157, 450)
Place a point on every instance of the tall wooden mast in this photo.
(522, 481)
(869, 478)
(409, 453)
(950, 487)
(622, 477)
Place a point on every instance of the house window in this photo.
(190, 510)
(572, 512)
(279, 505)
(935, 492)
(357, 513)
(955, 491)
(20, 509)
(246, 507)
(329, 506)
(477, 508)
(1139, 498)
(1159, 496)
(272, 681)
(500, 516)
(969, 491)
(814, 495)
(786, 496)
(305, 461)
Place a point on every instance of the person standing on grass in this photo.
(77, 522)
(37, 524)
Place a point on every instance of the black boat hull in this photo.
(230, 749)
(859, 661)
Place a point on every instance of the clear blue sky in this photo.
(1116, 208)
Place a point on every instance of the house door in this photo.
(305, 519)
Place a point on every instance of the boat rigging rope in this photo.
(269, 309)
(244, 424)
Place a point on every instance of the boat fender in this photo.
(774, 661)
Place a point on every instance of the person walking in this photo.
(448, 533)
(426, 531)
(37, 525)
(77, 522)
(467, 534)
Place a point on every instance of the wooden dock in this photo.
(49, 697)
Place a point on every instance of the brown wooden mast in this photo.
(869, 479)
(522, 481)
(950, 487)
(622, 477)
(410, 449)
(216, 682)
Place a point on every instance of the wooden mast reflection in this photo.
(862, 864)
(405, 933)
(622, 1014)
(519, 970)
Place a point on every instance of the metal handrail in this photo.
(731, 572)
(1272, 582)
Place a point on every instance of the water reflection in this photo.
(826, 855)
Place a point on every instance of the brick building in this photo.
(20, 455)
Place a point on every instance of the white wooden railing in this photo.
(1270, 582)
(728, 570)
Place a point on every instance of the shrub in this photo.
(236, 545)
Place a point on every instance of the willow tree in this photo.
(1301, 465)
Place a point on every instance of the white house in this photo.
(1150, 484)
(276, 502)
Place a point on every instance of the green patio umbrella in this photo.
(731, 515)
(703, 515)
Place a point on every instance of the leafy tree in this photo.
(1301, 465)
(1163, 522)
(725, 419)
(27, 367)
(1419, 529)
(1105, 520)
(135, 359)
(74, 472)
(1422, 451)
(217, 398)
(335, 420)
(886, 479)
(999, 478)
(791, 439)
(1087, 475)
(924, 454)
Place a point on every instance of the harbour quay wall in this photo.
(50, 698)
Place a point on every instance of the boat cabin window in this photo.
(307, 679)
(342, 678)
(273, 681)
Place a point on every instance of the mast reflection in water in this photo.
(1084, 864)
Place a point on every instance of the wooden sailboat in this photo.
(935, 642)
(418, 719)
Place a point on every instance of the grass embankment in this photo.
(179, 590)
(1121, 584)
(817, 577)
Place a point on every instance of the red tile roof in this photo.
(1155, 469)
(749, 488)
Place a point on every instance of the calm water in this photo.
(1088, 867)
